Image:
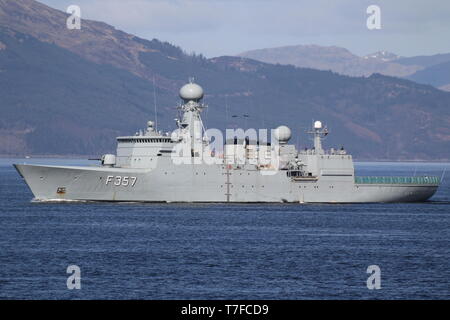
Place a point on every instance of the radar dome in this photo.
(176, 135)
(191, 91)
(282, 134)
(317, 125)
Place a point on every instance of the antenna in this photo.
(154, 102)
(226, 110)
(207, 109)
(319, 131)
(443, 174)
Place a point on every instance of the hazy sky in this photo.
(227, 27)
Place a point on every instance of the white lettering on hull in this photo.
(124, 181)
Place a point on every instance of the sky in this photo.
(229, 27)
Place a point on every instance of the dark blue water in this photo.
(218, 251)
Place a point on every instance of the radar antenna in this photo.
(319, 132)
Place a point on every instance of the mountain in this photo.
(72, 91)
(424, 61)
(435, 70)
(54, 101)
(436, 75)
(342, 61)
(96, 41)
(333, 58)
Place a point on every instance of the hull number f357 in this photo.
(121, 181)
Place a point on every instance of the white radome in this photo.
(317, 125)
(282, 134)
(176, 135)
(191, 91)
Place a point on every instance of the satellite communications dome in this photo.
(176, 135)
(282, 134)
(191, 91)
(317, 125)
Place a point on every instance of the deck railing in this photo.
(398, 180)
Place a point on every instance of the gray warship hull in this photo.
(208, 184)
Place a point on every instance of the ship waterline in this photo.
(146, 168)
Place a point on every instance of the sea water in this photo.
(225, 251)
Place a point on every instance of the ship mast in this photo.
(191, 121)
(318, 132)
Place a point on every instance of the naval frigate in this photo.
(184, 166)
